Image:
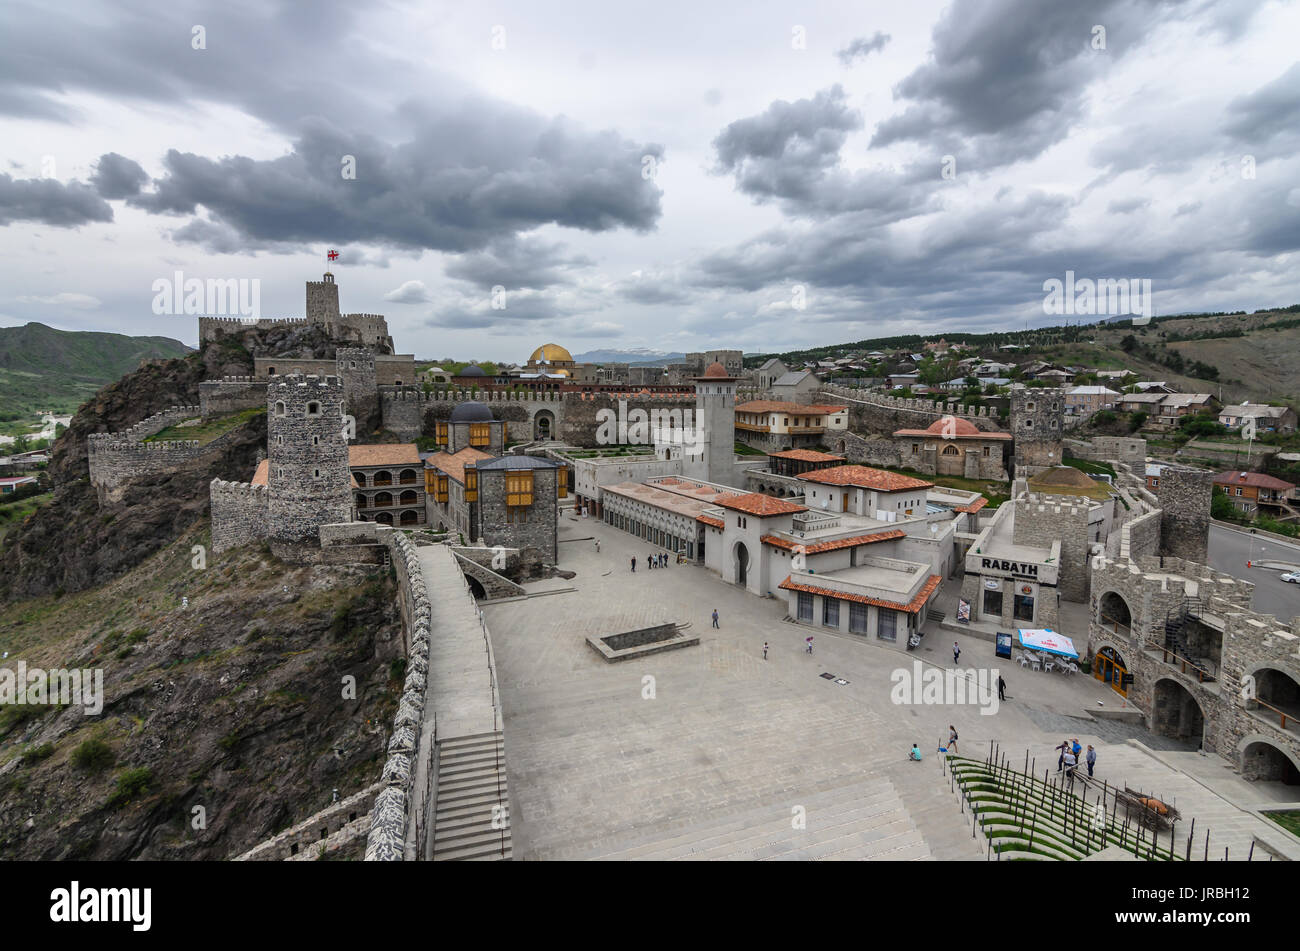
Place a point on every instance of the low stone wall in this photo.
(115, 458)
(397, 802)
(231, 394)
(299, 840)
(478, 563)
(238, 513)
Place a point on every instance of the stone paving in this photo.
(714, 752)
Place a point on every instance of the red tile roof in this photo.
(1256, 479)
(950, 427)
(453, 464)
(805, 455)
(834, 544)
(752, 503)
(785, 406)
(912, 607)
(710, 520)
(973, 507)
(383, 454)
(868, 478)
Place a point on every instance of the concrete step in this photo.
(491, 782)
(460, 797)
(459, 764)
(481, 843)
(450, 825)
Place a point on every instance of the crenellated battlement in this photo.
(293, 382)
(239, 513)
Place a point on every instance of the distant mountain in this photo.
(46, 369)
(640, 356)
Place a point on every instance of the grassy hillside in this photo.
(46, 369)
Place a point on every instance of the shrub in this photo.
(93, 756)
(130, 785)
(34, 754)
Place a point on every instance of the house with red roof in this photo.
(954, 446)
(1256, 492)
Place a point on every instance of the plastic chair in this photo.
(1035, 663)
(1047, 666)
(1022, 659)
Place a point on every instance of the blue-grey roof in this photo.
(471, 412)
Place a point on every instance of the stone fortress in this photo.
(1139, 563)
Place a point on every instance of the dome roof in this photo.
(952, 426)
(716, 369)
(471, 412)
(472, 370)
(551, 353)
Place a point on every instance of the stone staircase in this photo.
(472, 820)
(860, 820)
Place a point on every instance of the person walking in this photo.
(634, 565)
(1060, 760)
(809, 643)
(956, 652)
(1070, 762)
(765, 658)
(1091, 759)
(715, 617)
(952, 738)
(1002, 688)
(649, 562)
(598, 546)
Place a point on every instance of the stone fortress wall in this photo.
(116, 458)
(239, 511)
(230, 394)
(1042, 520)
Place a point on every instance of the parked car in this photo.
(1292, 576)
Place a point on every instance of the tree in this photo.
(1129, 343)
(1136, 421)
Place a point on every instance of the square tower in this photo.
(715, 424)
(323, 301)
(309, 482)
(1037, 418)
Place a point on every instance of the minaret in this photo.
(715, 423)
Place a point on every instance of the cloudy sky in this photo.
(671, 175)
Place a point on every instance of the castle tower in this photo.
(356, 368)
(1184, 496)
(308, 478)
(1037, 418)
(323, 301)
(715, 425)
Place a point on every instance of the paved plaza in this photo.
(714, 752)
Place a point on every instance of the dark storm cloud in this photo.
(517, 263)
(786, 151)
(466, 177)
(116, 176)
(1271, 110)
(863, 47)
(1007, 79)
(50, 202)
(1126, 206)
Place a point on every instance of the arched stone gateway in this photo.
(1261, 758)
(1113, 613)
(1175, 713)
(1109, 667)
(543, 424)
(475, 588)
(1274, 696)
(742, 564)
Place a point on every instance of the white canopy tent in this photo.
(1048, 641)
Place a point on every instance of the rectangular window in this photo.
(471, 484)
(480, 434)
(993, 604)
(805, 606)
(442, 488)
(1024, 607)
(517, 514)
(857, 618)
(831, 612)
(442, 434)
(562, 483)
(519, 488)
(886, 624)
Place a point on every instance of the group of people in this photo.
(654, 561)
(1069, 758)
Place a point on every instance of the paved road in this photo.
(1229, 552)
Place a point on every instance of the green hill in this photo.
(57, 370)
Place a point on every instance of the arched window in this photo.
(406, 476)
(361, 479)
(313, 409)
(410, 517)
(1029, 407)
(950, 450)
(382, 477)
(383, 500)
(361, 501)
(407, 497)
(280, 408)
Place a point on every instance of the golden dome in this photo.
(551, 353)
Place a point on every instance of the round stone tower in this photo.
(309, 482)
(1037, 418)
